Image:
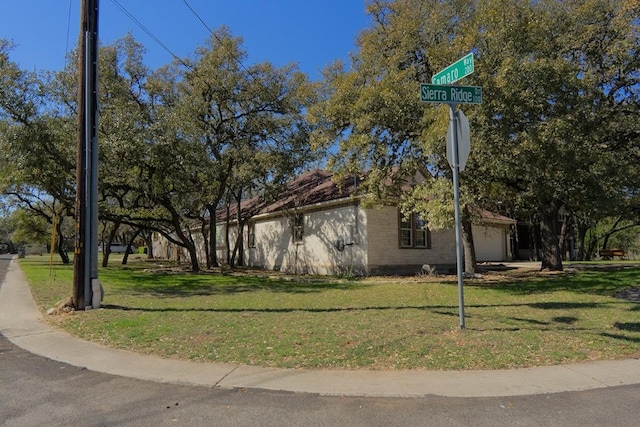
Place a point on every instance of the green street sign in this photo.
(454, 72)
(451, 94)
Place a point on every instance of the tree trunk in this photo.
(593, 245)
(213, 262)
(184, 236)
(534, 241)
(106, 250)
(193, 256)
(125, 258)
(470, 263)
(582, 235)
(205, 242)
(148, 241)
(190, 246)
(515, 244)
(227, 243)
(241, 244)
(64, 256)
(238, 249)
(549, 243)
(562, 241)
(237, 258)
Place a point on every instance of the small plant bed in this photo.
(514, 317)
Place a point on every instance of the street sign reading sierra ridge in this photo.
(451, 94)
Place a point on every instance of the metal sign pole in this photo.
(453, 95)
(456, 193)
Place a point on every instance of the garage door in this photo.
(489, 243)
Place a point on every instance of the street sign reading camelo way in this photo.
(451, 94)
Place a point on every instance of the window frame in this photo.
(414, 225)
(297, 228)
(404, 227)
(251, 236)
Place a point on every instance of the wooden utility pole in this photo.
(85, 264)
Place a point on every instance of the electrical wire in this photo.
(66, 47)
(180, 60)
(198, 16)
(146, 30)
(235, 57)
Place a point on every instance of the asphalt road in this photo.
(35, 391)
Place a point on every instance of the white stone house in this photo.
(319, 227)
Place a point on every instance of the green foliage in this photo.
(174, 142)
(31, 228)
(7, 224)
(628, 239)
(558, 126)
(37, 153)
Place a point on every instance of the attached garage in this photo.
(492, 242)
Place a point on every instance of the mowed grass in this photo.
(513, 319)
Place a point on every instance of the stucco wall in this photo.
(221, 246)
(318, 252)
(369, 244)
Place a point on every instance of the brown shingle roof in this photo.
(312, 187)
(494, 217)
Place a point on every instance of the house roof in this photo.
(312, 187)
(496, 218)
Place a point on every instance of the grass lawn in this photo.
(513, 319)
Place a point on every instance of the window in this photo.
(252, 236)
(414, 232)
(406, 236)
(421, 233)
(297, 232)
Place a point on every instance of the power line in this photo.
(66, 47)
(180, 60)
(146, 30)
(233, 55)
(198, 16)
(235, 58)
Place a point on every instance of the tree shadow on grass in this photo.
(564, 305)
(569, 320)
(179, 285)
(596, 281)
(621, 337)
(259, 310)
(444, 310)
(628, 326)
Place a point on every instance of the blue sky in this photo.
(311, 33)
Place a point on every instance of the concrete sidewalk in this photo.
(21, 322)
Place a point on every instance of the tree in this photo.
(557, 129)
(245, 122)
(8, 225)
(36, 153)
(373, 113)
(556, 126)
